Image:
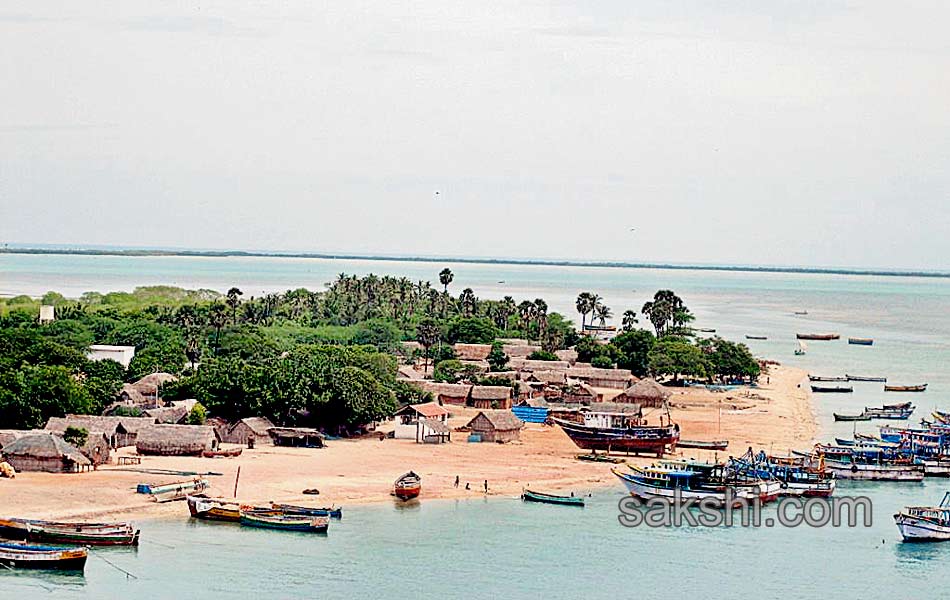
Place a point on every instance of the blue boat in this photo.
(290, 509)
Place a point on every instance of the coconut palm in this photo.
(234, 300)
(584, 305)
(629, 319)
(603, 314)
(445, 278)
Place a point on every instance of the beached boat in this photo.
(860, 341)
(531, 496)
(408, 486)
(756, 337)
(216, 509)
(906, 388)
(290, 509)
(925, 523)
(27, 556)
(832, 389)
(824, 337)
(701, 445)
(604, 458)
(285, 522)
(860, 378)
(862, 417)
(229, 453)
(635, 438)
(84, 534)
(826, 379)
(178, 490)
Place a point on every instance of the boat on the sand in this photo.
(407, 486)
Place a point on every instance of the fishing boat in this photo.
(290, 509)
(178, 490)
(823, 337)
(935, 466)
(693, 480)
(84, 534)
(634, 438)
(701, 445)
(833, 389)
(756, 337)
(706, 330)
(796, 478)
(602, 458)
(285, 522)
(860, 341)
(408, 486)
(862, 417)
(802, 348)
(229, 453)
(895, 412)
(941, 417)
(906, 388)
(532, 496)
(215, 509)
(872, 463)
(859, 378)
(801, 312)
(827, 379)
(28, 556)
(925, 523)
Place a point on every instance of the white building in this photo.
(47, 313)
(425, 423)
(120, 354)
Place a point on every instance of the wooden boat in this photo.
(906, 388)
(178, 490)
(692, 480)
(925, 523)
(84, 534)
(27, 556)
(899, 414)
(285, 522)
(216, 509)
(636, 438)
(230, 453)
(834, 389)
(701, 445)
(796, 478)
(935, 467)
(756, 337)
(858, 378)
(604, 458)
(706, 330)
(801, 312)
(290, 509)
(408, 486)
(867, 463)
(531, 496)
(861, 417)
(823, 337)
(827, 379)
(860, 341)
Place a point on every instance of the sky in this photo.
(812, 133)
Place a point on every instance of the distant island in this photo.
(488, 261)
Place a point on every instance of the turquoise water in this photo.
(503, 548)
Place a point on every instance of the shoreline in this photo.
(610, 264)
(776, 416)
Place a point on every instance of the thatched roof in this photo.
(595, 373)
(454, 390)
(408, 372)
(172, 414)
(520, 350)
(581, 389)
(568, 355)
(258, 425)
(549, 377)
(150, 383)
(538, 365)
(107, 425)
(45, 445)
(509, 375)
(472, 351)
(646, 389)
(8, 436)
(490, 392)
(500, 420)
(129, 394)
(175, 439)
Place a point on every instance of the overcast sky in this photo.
(763, 132)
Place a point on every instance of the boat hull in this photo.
(284, 523)
(290, 509)
(874, 472)
(42, 557)
(636, 440)
(529, 496)
(914, 529)
(638, 488)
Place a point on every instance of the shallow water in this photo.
(502, 547)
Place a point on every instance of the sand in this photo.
(775, 416)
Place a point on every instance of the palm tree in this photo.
(218, 318)
(603, 313)
(629, 319)
(525, 313)
(234, 299)
(508, 308)
(445, 278)
(584, 305)
(427, 334)
(468, 302)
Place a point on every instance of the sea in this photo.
(501, 547)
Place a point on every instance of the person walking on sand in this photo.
(486, 486)
(456, 481)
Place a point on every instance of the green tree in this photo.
(675, 357)
(497, 359)
(197, 415)
(234, 301)
(584, 305)
(472, 330)
(602, 362)
(427, 334)
(445, 278)
(629, 319)
(542, 355)
(632, 349)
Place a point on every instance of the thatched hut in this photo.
(446, 393)
(524, 364)
(176, 440)
(150, 386)
(129, 395)
(472, 351)
(520, 350)
(491, 397)
(249, 428)
(606, 378)
(568, 356)
(174, 415)
(120, 431)
(45, 452)
(297, 436)
(646, 392)
(580, 393)
(496, 426)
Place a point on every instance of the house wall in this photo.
(455, 400)
(503, 404)
(490, 434)
(41, 465)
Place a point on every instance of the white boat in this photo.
(925, 523)
(669, 482)
(802, 348)
(935, 468)
(872, 472)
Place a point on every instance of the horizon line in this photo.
(158, 252)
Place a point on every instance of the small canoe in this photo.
(859, 378)
(860, 341)
(906, 388)
(702, 445)
(706, 330)
(230, 453)
(756, 337)
(603, 458)
(861, 417)
(219, 509)
(901, 406)
(530, 496)
(801, 312)
(285, 522)
(27, 556)
(824, 337)
(408, 486)
(820, 378)
(836, 389)
(290, 509)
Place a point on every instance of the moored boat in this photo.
(756, 337)
(861, 417)
(870, 463)
(860, 378)
(832, 389)
(215, 509)
(795, 477)
(532, 496)
(860, 341)
(692, 481)
(818, 336)
(28, 556)
(906, 388)
(925, 523)
(823, 378)
(84, 534)
(408, 486)
(283, 522)
(290, 509)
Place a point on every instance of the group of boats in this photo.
(847, 389)
(30, 542)
(285, 517)
(898, 412)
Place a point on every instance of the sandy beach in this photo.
(775, 416)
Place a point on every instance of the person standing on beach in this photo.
(486, 486)
(456, 481)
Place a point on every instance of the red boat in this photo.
(408, 486)
(632, 438)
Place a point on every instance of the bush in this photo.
(542, 355)
(601, 362)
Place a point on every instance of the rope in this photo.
(116, 567)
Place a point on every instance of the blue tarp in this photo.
(531, 414)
